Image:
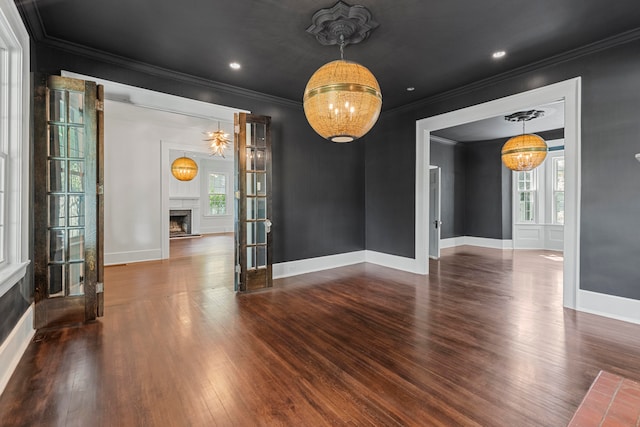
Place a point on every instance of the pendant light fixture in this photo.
(526, 151)
(218, 141)
(184, 169)
(342, 99)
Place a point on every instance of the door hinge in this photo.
(99, 105)
(100, 189)
(238, 268)
(237, 128)
(99, 287)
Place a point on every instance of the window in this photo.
(4, 154)
(526, 196)
(3, 203)
(558, 190)
(217, 194)
(14, 146)
(538, 195)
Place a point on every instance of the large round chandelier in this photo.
(526, 151)
(342, 99)
(184, 168)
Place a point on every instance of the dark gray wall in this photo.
(450, 159)
(610, 204)
(318, 186)
(484, 199)
(13, 305)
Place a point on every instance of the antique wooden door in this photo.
(253, 202)
(68, 201)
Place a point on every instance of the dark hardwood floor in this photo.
(482, 341)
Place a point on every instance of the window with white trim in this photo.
(526, 190)
(539, 194)
(558, 190)
(217, 191)
(4, 127)
(14, 146)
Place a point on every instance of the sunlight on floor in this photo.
(558, 258)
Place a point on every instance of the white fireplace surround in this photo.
(188, 204)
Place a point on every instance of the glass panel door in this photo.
(66, 166)
(253, 224)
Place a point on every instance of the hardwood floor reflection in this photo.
(482, 341)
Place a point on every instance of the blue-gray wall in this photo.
(610, 204)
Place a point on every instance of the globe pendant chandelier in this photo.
(342, 99)
(184, 169)
(526, 151)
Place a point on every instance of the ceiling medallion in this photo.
(526, 151)
(342, 99)
(353, 23)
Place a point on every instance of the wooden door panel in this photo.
(66, 222)
(253, 205)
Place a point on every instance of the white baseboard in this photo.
(217, 229)
(476, 241)
(14, 346)
(133, 256)
(391, 261)
(309, 265)
(452, 242)
(619, 308)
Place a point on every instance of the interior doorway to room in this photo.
(142, 128)
(435, 216)
(567, 91)
(487, 204)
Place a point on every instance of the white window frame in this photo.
(554, 191)
(14, 142)
(544, 184)
(535, 191)
(207, 211)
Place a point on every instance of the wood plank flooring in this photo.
(482, 341)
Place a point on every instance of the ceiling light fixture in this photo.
(218, 141)
(234, 65)
(411, 89)
(342, 99)
(499, 54)
(184, 168)
(527, 151)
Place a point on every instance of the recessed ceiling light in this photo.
(499, 54)
(411, 89)
(234, 65)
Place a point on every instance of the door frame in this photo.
(569, 91)
(438, 214)
(145, 98)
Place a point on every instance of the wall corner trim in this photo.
(14, 346)
(391, 261)
(620, 308)
(310, 265)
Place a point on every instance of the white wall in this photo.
(133, 193)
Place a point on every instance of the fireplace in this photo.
(179, 223)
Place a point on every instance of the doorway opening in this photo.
(567, 91)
